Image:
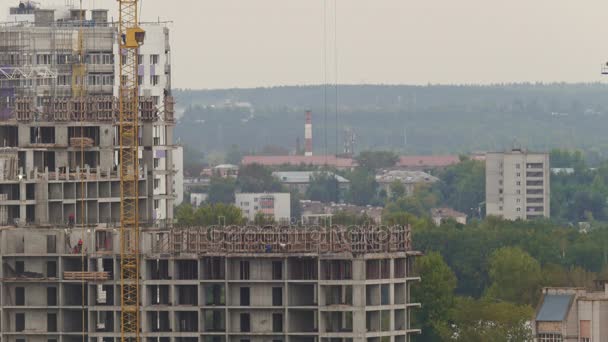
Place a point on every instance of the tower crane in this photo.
(131, 37)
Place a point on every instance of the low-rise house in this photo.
(300, 180)
(426, 162)
(222, 170)
(314, 212)
(198, 198)
(333, 161)
(272, 205)
(572, 315)
(441, 214)
(409, 179)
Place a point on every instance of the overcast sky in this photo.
(247, 43)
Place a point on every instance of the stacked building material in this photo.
(8, 164)
(84, 141)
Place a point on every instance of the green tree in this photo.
(221, 190)
(436, 292)
(462, 186)
(323, 187)
(210, 214)
(257, 178)
(234, 155)
(362, 187)
(374, 160)
(220, 213)
(397, 189)
(184, 214)
(515, 276)
(261, 219)
(295, 206)
(482, 320)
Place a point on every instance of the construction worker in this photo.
(78, 248)
(71, 220)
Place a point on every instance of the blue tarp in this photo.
(554, 308)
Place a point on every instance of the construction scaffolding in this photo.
(281, 239)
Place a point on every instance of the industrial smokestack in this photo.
(308, 133)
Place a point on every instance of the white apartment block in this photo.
(517, 184)
(276, 205)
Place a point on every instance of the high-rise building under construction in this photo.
(52, 137)
(60, 212)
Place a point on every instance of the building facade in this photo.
(571, 315)
(276, 206)
(517, 184)
(61, 128)
(300, 180)
(282, 285)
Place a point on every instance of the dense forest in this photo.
(406, 119)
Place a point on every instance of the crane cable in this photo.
(82, 108)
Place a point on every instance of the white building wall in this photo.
(178, 179)
(511, 189)
(249, 203)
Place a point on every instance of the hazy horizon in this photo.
(245, 44)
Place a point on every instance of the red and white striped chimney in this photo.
(308, 134)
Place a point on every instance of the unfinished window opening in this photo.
(87, 136)
(159, 269)
(73, 295)
(103, 241)
(187, 269)
(187, 321)
(277, 322)
(213, 268)
(9, 136)
(159, 295)
(187, 295)
(244, 296)
(30, 191)
(19, 322)
(160, 321)
(44, 159)
(277, 296)
(42, 135)
(385, 268)
(339, 321)
(337, 269)
(19, 296)
(51, 322)
(105, 321)
(51, 269)
(214, 294)
(400, 268)
(244, 269)
(245, 322)
(19, 267)
(385, 296)
(51, 296)
(91, 159)
(277, 270)
(215, 321)
(51, 244)
(303, 269)
(339, 295)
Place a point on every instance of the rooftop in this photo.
(299, 160)
(446, 213)
(304, 176)
(405, 177)
(427, 161)
(554, 307)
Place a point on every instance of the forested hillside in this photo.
(407, 119)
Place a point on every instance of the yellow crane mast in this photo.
(131, 37)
